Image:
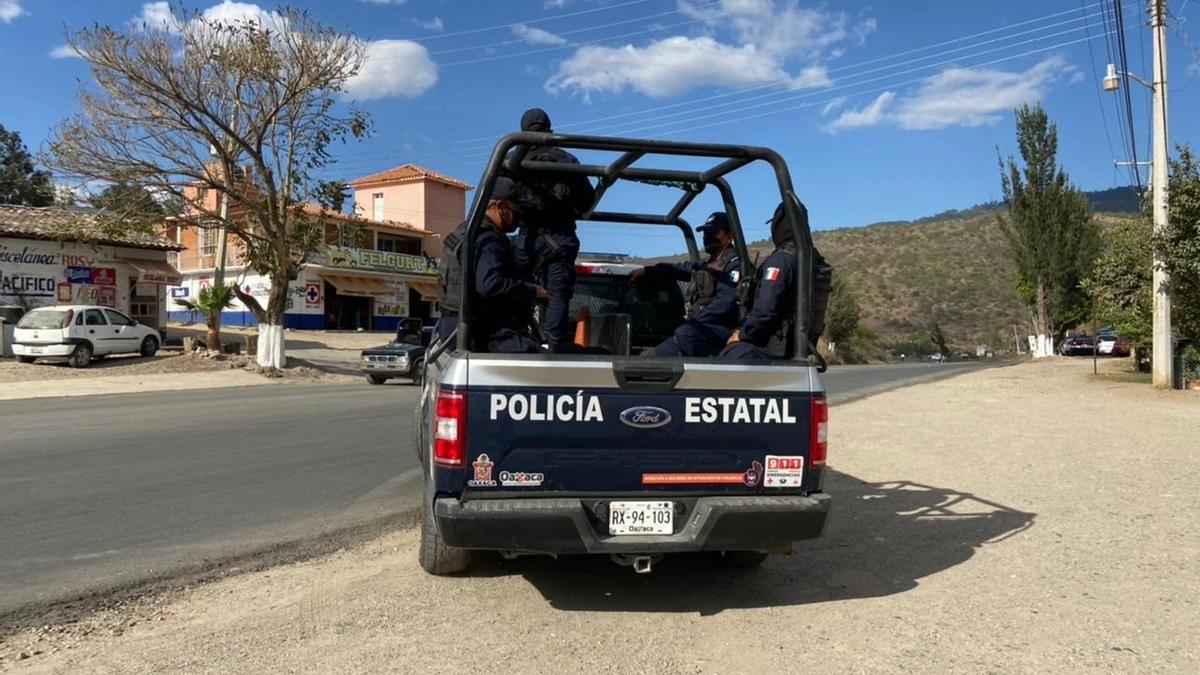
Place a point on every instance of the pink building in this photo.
(413, 194)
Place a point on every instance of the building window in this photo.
(377, 206)
(394, 244)
(201, 195)
(208, 240)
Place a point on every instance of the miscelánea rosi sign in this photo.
(42, 271)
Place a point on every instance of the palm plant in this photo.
(210, 302)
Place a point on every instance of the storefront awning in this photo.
(428, 288)
(360, 286)
(154, 272)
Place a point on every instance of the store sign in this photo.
(104, 276)
(179, 292)
(312, 294)
(360, 258)
(79, 275)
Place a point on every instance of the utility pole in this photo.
(1162, 341)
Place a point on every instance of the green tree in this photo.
(259, 95)
(21, 182)
(132, 208)
(211, 301)
(1120, 282)
(1049, 228)
(843, 314)
(938, 338)
(1181, 243)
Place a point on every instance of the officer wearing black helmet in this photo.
(712, 302)
(769, 328)
(503, 302)
(547, 244)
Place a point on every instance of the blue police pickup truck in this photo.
(609, 452)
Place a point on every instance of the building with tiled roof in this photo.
(378, 264)
(51, 255)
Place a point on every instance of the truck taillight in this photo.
(450, 428)
(68, 318)
(819, 432)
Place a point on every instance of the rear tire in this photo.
(149, 346)
(742, 559)
(81, 357)
(436, 557)
(418, 377)
(27, 359)
(376, 379)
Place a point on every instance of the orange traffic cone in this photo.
(581, 327)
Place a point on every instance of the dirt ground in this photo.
(294, 339)
(1021, 519)
(164, 362)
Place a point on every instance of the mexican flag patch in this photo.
(771, 274)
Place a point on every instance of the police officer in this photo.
(503, 302)
(547, 244)
(768, 330)
(711, 293)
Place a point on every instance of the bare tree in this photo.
(246, 109)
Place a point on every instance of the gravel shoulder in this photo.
(1022, 519)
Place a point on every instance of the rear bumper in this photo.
(47, 350)
(569, 525)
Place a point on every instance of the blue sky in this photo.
(884, 111)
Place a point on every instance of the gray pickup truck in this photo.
(614, 453)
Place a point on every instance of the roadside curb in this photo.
(129, 384)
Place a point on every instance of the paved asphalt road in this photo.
(107, 491)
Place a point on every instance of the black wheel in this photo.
(741, 559)
(81, 357)
(376, 379)
(418, 373)
(149, 346)
(435, 556)
(27, 359)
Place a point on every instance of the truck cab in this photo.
(611, 452)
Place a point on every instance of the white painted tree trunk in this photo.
(271, 353)
(1042, 346)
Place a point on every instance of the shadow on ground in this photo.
(883, 538)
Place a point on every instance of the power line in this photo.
(1096, 78)
(1124, 55)
(487, 140)
(544, 19)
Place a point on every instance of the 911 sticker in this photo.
(784, 471)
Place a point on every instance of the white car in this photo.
(78, 333)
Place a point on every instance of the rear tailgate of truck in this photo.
(551, 427)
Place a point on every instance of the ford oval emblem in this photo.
(645, 417)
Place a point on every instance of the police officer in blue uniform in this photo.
(503, 301)
(547, 245)
(769, 328)
(712, 302)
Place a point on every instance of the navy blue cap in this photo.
(718, 220)
(535, 119)
(505, 189)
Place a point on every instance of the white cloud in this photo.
(537, 36)
(157, 16)
(434, 25)
(64, 52)
(865, 117)
(9, 10)
(393, 68)
(958, 97)
(774, 42)
(555, 4)
(833, 105)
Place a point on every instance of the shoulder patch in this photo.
(735, 275)
(771, 274)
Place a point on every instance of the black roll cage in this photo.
(694, 182)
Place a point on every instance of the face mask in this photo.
(712, 245)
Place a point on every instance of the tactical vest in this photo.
(782, 345)
(703, 286)
(450, 270)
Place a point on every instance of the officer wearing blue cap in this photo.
(547, 245)
(769, 328)
(503, 302)
(712, 304)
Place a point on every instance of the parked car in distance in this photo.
(1113, 345)
(403, 357)
(937, 358)
(1078, 345)
(78, 333)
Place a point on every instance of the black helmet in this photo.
(781, 231)
(535, 119)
